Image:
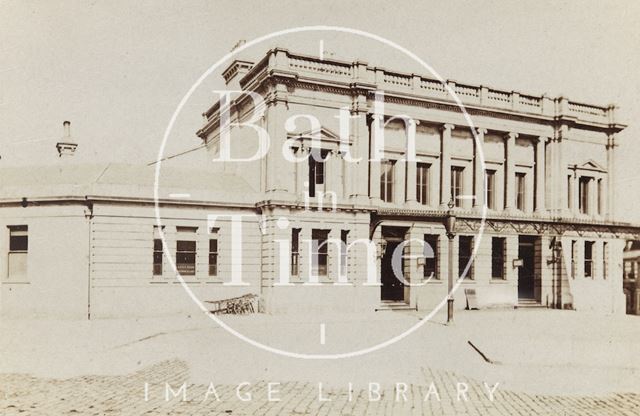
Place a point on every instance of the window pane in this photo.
(17, 265)
(18, 243)
(520, 187)
(320, 251)
(157, 257)
(465, 250)
(213, 257)
(431, 256)
(497, 257)
(490, 190)
(186, 257)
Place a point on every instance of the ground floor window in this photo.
(430, 257)
(497, 257)
(213, 252)
(186, 250)
(465, 251)
(344, 236)
(588, 258)
(605, 260)
(295, 251)
(320, 252)
(18, 249)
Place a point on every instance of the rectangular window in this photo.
(344, 235)
(520, 187)
(317, 174)
(573, 258)
(213, 252)
(605, 260)
(295, 251)
(583, 195)
(157, 257)
(186, 250)
(456, 184)
(386, 180)
(490, 190)
(430, 256)
(422, 183)
(465, 250)
(569, 193)
(320, 251)
(18, 249)
(497, 257)
(600, 197)
(157, 252)
(588, 259)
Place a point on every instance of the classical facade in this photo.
(356, 154)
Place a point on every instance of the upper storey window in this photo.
(521, 189)
(457, 173)
(490, 195)
(317, 171)
(422, 183)
(386, 180)
(583, 195)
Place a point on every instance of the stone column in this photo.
(445, 164)
(357, 173)
(374, 179)
(562, 192)
(410, 160)
(509, 172)
(478, 171)
(302, 174)
(540, 179)
(610, 205)
(332, 173)
(575, 194)
(280, 176)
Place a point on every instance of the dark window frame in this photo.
(465, 253)
(457, 184)
(387, 177)
(320, 252)
(422, 182)
(498, 258)
(431, 263)
(588, 258)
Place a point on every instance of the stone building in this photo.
(83, 239)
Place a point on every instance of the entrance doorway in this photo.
(392, 289)
(526, 272)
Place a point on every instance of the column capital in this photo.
(543, 140)
(510, 135)
(447, 126)
(481, 131)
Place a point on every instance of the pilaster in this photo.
(478, 171)
(445, 164)
(540, 175)
(510, 175)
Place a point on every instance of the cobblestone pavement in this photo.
(125, 395)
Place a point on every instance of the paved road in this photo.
(125, 395)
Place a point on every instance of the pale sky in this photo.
(117, 70)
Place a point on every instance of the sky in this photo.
(117, 70)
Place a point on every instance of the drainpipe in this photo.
(89, 216)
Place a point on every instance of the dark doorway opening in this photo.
(392, 290)
(526, 272)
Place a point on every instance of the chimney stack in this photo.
(66, 146)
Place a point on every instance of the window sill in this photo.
(498, 281)
(15, 282)
(433, 281)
